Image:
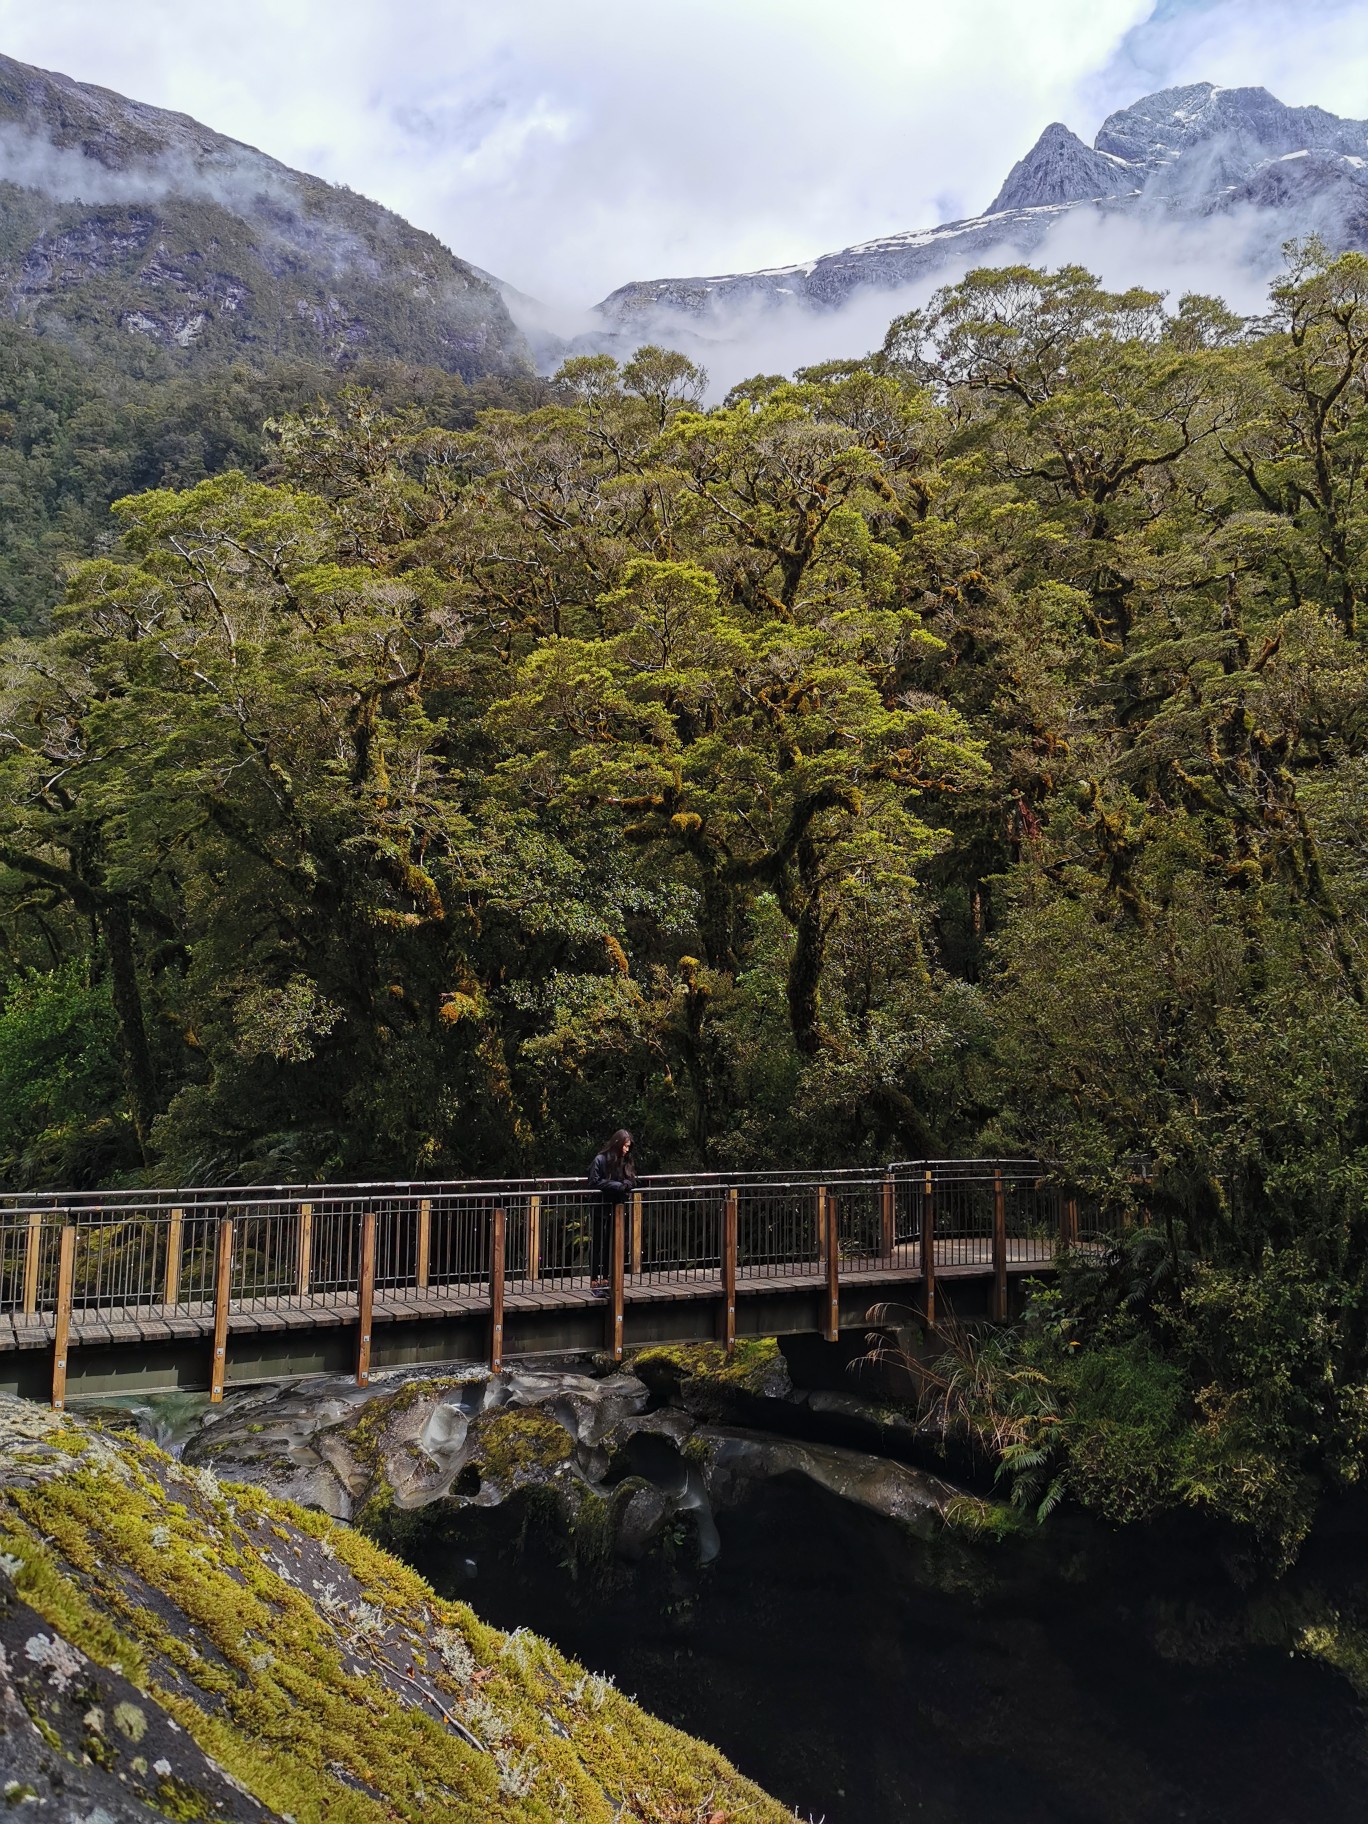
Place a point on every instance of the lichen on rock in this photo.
(206, 1650)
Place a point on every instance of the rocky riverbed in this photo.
(867, 1640)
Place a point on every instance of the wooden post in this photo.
(33, 1254)
(175, 1244)
(928, 1252)
(618, 1289)
(999, 1250)
(729, 1225)
(223, 1285)
(424, 1262)
(305, 1247)
(534, 1238)
(636, 1231)
(1069, 1223)
(886, 1217)
(832, 1329)
(365, 1298)
(823, 1217)
(66, 1273)
(498, 1239)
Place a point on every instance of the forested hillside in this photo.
(962, 749)
(80, 430)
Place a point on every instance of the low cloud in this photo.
(1231, 256)
(570, 150)
(68, 174)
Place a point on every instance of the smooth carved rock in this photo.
(477, 1439)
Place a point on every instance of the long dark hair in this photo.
(616, 1150)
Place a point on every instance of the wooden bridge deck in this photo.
(154, 1323)
(211, 1285)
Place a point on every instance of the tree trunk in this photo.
(117, 929)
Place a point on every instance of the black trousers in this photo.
(601, 1239)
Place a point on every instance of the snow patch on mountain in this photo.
(1236, 165)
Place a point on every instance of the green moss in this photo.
(366, 1434)
(748, 1369)
(979, 1519)
(180, 1580)
(517, 1440)
(1340, 1643)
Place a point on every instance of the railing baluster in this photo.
(729, 1226)
(222, 1292)
(61, 1339)
(928, 1251)
(424, 1243)
(496, 1291)
(832, 1327)
(999, 1250)
(534, 1239)
(304, 1264)
(365, 1298)
(617, 1290)
(174, 1246)
(32, 1258)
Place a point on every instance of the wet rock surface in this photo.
(582, 1441)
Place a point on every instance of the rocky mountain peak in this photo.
(1169, 162)
(1059, 168)
(1191, 143)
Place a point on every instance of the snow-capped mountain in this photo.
(1182, 155)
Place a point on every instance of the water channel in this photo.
(867, 1676)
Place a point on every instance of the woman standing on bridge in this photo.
(612, 1175)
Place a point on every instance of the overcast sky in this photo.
(571, 147)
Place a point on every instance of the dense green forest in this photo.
(79, 430)
(961, 749)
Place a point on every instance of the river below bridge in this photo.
(868, 1675)
(866, 1680)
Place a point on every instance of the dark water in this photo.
(866, 1679)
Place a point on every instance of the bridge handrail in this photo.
(277, 1253)
(155, 1198)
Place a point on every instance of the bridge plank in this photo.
(956, 1257)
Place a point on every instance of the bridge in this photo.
(107, 1291)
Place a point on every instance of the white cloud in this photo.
(1227, 256)
(1308, 52)
(572, 148)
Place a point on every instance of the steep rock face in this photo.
(1182, 154)
(1059, 168)
(1166, 126)
(119, 220)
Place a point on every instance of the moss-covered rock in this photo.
(263, 1651)
(708, 1381)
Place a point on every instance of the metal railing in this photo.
(203, 1254)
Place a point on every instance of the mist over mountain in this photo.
(122, 223)
(1234, 165)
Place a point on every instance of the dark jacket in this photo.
(611, 1178)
